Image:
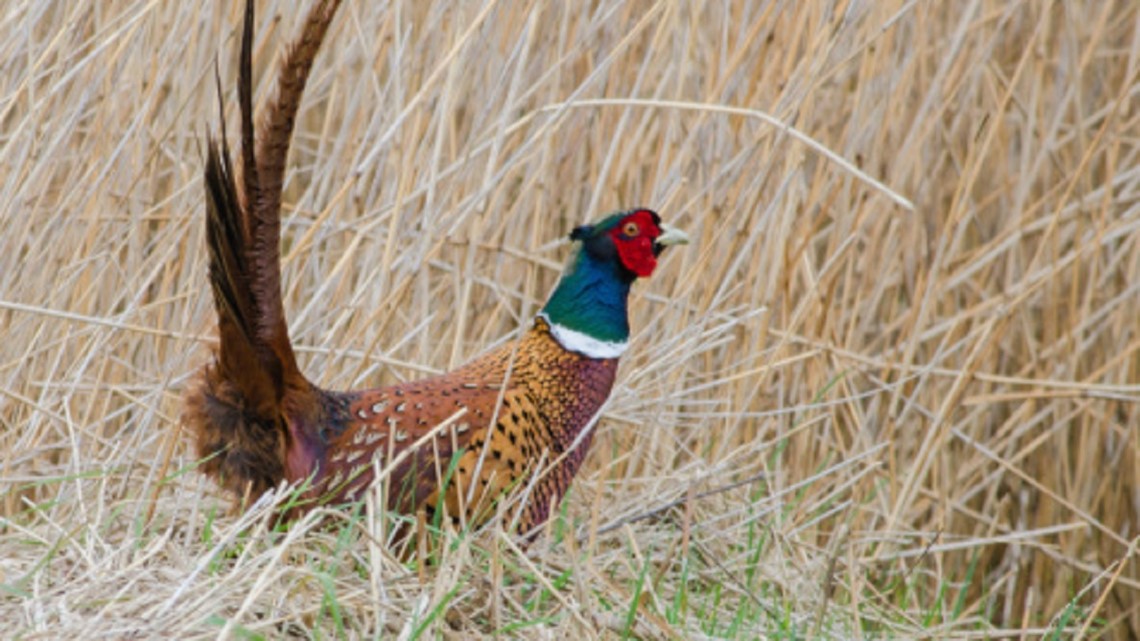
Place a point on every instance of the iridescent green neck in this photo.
(589, 306)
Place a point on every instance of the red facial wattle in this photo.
(636, 251)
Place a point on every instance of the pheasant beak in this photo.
(669, 236)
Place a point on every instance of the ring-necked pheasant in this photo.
(519, 415)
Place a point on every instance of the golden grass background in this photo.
(928, 410)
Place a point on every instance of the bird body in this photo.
(511, 416)
(517, 417)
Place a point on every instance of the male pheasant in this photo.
(518, 416)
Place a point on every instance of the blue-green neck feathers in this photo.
(591, 299)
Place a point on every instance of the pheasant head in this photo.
(588, 311)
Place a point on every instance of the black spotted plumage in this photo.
(565, 388)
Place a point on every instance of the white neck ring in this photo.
(584, 344)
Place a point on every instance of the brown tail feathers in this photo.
(235, 408)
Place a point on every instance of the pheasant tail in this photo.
(236, 409)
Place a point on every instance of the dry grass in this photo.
(919, 420)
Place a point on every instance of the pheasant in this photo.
(518, 417)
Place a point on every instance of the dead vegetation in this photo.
(889, 391)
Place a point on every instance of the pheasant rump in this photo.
(518, 417)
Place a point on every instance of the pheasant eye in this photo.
(630, 229)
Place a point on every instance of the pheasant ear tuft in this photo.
(582, 233)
